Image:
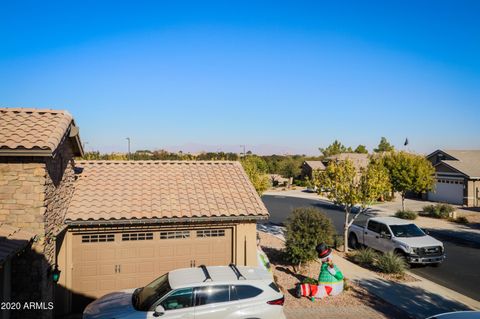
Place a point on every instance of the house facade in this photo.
(37, 149)
(457, 177)
(111, 225)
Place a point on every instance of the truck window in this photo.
(384, 229)
(373, 226)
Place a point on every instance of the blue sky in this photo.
(277, 76)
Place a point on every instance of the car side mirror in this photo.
(426, 231)
(159, 311)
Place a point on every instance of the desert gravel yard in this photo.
(355, 302)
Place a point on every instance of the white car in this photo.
(217, 292)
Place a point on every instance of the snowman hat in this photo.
(323, 251)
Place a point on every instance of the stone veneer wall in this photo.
(34, 194)
(22, 204)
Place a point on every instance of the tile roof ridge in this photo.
(35, 110)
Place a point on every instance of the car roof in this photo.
(391, 220)
(219, 274)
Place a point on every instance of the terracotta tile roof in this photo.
(12, 240)
(32, 129)
(116, 190)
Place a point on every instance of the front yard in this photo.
(352, 303)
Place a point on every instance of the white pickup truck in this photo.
(398, 235)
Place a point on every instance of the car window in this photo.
(178, 299)
(384, 229)
(240, 292)
(409, 230)
(212, 294)
(373, 226)
(144, 298)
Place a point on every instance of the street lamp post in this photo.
(128, 139)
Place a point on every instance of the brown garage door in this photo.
(108, 262)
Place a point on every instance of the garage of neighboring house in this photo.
(448, 190)
(457, 177)
(130, 222)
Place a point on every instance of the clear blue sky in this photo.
(272, 75)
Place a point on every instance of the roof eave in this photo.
(144, 221)
(26, 152)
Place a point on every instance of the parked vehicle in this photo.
(400, 236)
(217, 292)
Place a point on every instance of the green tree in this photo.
(306, 227)
(335, 148)
(289, 167)
(342, 184)
(384, 146)
(409, 172)
(361, 149)
(256, 169)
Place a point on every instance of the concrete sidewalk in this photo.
(420, 299)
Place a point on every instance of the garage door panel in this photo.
(146, 267)
(126, 253)
(107, 269)
(106, 254)
(146, 252)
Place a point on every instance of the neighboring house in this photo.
(111, 225)
(278, 180)
(308, 167)
(359, 160)
(457, 175)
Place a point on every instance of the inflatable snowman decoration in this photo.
(330, 280)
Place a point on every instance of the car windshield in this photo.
(410, 230)
(144, 298)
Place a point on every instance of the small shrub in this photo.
(428, 209)
(391, 263)
(408, 214)
(438, 211)
(462, 220)
(365, 256)
(306, 227)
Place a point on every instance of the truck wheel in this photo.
(353, 241)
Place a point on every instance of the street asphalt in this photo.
(458, 272)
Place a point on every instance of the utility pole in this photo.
(128, 139)
(243, 150)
